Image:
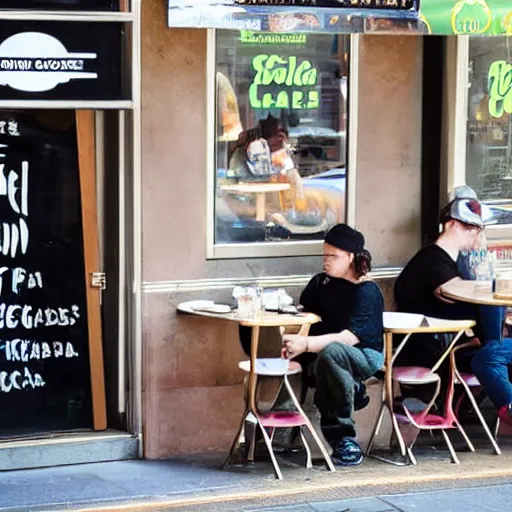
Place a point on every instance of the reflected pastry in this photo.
(291, 22)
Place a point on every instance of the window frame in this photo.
(274, 249)
(455, 118)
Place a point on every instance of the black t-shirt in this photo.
(431, 267)
(346, 305)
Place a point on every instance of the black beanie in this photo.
(345, 238)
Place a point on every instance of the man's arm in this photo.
(294, 344)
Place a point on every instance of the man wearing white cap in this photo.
(418, 287)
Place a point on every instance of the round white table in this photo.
(260, 189)
(473, 292)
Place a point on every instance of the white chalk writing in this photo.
(9, 128)
(19, 350)
(17, 380)
(21, 279)
(28, 317)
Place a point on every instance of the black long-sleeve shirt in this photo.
(345, 305)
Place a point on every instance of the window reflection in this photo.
(489, 134)
(281, 130)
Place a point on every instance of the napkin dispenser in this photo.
(503, 285)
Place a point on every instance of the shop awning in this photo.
(438, 17)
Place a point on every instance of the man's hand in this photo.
(294, 345)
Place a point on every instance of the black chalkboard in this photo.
(62, 5)
(44, 358)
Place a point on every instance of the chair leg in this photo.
(411, 456)
(234, 444)
(455, 459)
(309, 426)
(250, 438)
(318, 441)
(497, 428)
(376, 429)
(309, 460)
(271, 434)
(398, 434)
(471, 397)
(277, 470)
(464, 435)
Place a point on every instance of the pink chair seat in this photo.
(414, 375)
(433, 421)
(282, 419)
(272, 367)
(470, 379)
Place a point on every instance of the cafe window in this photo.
(280, 142)
(489, 130)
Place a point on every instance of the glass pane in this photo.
(280, 136)
(489, 134)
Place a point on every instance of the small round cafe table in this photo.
(474, 292)
(259, 189)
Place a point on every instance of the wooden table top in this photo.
(266, 319)
(255, 188)
(474, 293)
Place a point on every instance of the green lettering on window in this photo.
(297, 78)
(499, 85)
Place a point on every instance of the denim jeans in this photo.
(491, 322)
(491, 366)
(337, 368)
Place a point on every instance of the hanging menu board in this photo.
(62, 5)
(44, 358)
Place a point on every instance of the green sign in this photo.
(283, 82)
(472, 17)
(248, 37)
(500, 88)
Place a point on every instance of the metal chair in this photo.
(409, 324)
(275, 367)
(469, 382)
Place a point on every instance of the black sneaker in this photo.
(347, 452)
(361, 397)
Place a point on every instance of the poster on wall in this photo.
(282, 16)
(62, 5)
(471, 17)
(45, 379)
(60, 61)
(437, 17)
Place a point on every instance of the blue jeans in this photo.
(490, 321)
(491, 366)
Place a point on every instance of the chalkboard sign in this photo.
(57, 60)
(45, 378)
(62, 5)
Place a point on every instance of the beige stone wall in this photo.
(192, 389)
(388, 204)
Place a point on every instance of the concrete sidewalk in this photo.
(482, 499)
(199, 484)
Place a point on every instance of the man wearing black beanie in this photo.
(345, 348)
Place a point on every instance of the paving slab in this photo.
(488, 499)
(355, 505)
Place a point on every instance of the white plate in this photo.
(214, 308)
